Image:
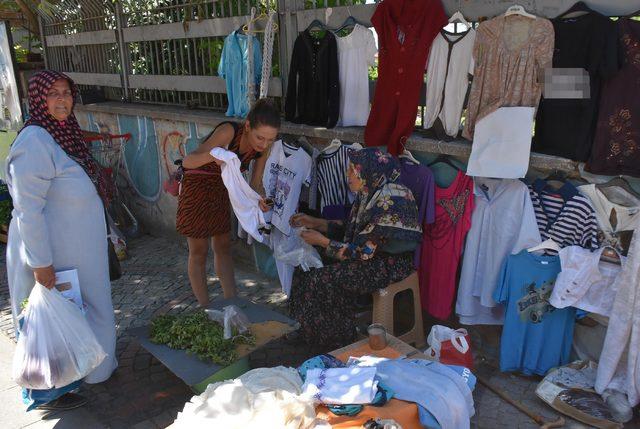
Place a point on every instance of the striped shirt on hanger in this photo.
(565, 215)
(332, 176)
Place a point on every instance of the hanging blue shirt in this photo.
(233, 67)
(536, 336)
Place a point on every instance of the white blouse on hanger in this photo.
(356, 52)
(450, 63)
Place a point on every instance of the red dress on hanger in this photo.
(406, 29)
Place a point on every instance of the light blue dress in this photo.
(233, 67)
(58, 219)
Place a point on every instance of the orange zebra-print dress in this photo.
(204, 209)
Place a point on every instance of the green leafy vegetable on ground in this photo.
(197, 334)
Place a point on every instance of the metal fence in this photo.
(158, 51)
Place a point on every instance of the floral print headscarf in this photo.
(383, 209)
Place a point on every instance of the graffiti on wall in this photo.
(141, 158)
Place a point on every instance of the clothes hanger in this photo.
(333, 146)
(445, 160)
(319, 26)
(578, 9)
(619, 182)
(557, 176)
(351, 21)
(408, 155)
(633, 14)
(516, 9)
(262, 15)
(547, 244)
(610, 254)
(459, 17)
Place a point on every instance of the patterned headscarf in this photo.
(383, 208)
(67, 133)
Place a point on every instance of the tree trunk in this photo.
(30, 15)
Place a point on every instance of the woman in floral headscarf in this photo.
(372, 250)
(59, 193)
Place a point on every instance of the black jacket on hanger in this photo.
(313, 89)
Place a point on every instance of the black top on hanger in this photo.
(580, 8)
(445, 160)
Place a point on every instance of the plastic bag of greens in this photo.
(230, 318)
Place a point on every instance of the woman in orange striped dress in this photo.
(204, 209)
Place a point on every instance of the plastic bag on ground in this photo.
(296, 252)
(450, 346)
(231, 317)
(56, 345)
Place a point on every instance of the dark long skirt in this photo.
(323, 300)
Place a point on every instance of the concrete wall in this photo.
(147, 161)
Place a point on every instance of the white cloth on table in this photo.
(341, 386)
(623, 332)
(448, 68)
(503, 223)
(58, 219)
(502, 144)
(263, 397)
(356, 52)
(585, 282)
(244, 200)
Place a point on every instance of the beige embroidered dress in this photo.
(510, 55)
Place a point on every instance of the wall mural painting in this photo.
(141, 158)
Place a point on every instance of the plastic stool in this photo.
(383, 310)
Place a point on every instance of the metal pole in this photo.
(124, 57)
(43, 40)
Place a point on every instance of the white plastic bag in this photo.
(231, 317)
(56, 345)
(450, 346)
(297, 252)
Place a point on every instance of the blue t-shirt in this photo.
(536, 336)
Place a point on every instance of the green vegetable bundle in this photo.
(197, 334)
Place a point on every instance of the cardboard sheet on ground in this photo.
(405, 413)
(267, 325)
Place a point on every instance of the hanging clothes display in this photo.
(419, 179)
(536, 336)
(335, 196)
(565, 127)
(405, 32)
(503, 223)
(615, 147)
(585, 282)
(233, 68)
(510, 53)
(287, 169)
(448, 69)
(623, 334)
(442, 245)
(313, 88)
(616, 221)
(356, 52)
(564, 215)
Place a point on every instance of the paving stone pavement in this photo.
(143, 394)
